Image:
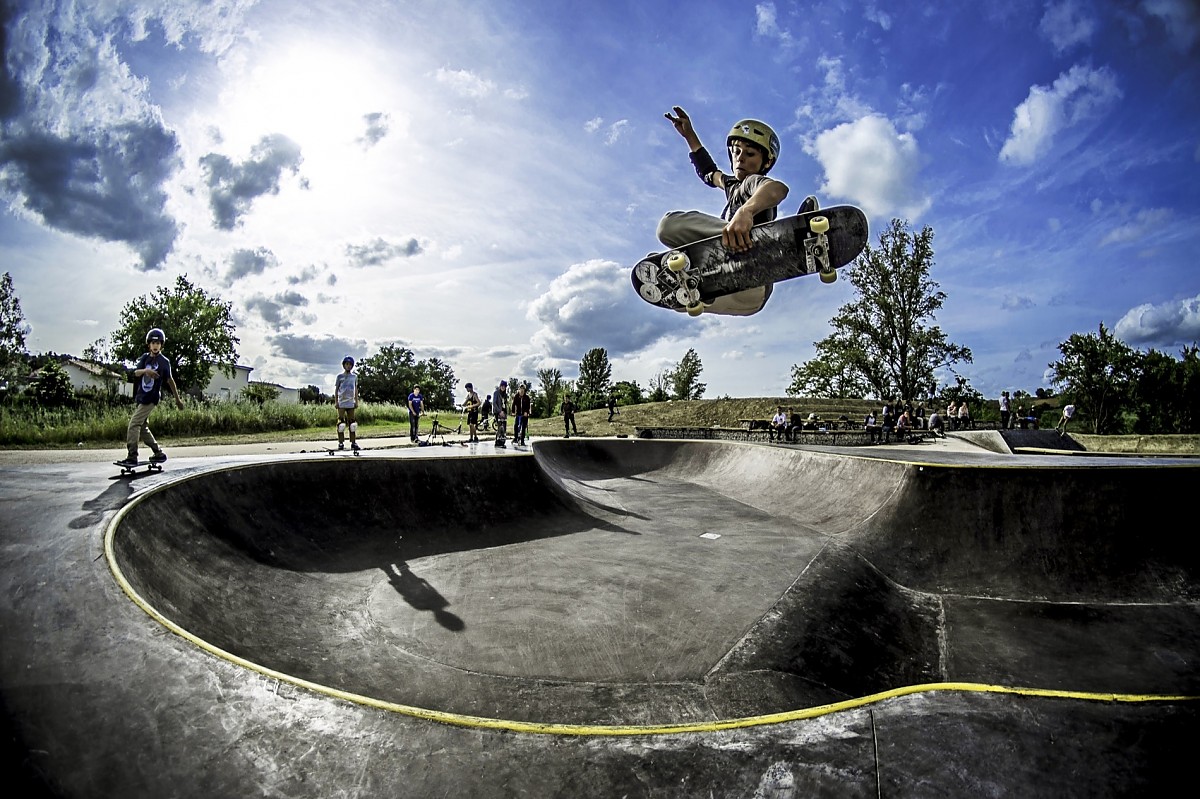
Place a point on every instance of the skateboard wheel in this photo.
(819, 224)
(676, 261)
(828, 277)
(650, 293)
(695, 310)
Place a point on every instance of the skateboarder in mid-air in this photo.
(751, 198)
(153, 370)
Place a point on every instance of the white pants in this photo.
(679, 228)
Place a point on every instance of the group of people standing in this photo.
(498, 406)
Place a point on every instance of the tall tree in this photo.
(886, 335)
(595, 376)
(658, 388)
(829, 375)
(389, 375)
(551, 382)
(13, 330)
(1098, 371)
(437, 384)
(684, 379)
(199, 329)
(628, 392)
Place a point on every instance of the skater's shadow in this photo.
(418, 593)
(111, 499)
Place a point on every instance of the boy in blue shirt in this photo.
(414, 413)
(152, 371)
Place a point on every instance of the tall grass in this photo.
(98, 424)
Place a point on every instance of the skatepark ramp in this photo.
(656, 582)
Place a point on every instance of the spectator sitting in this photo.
(888, 422)
(903, 427)
(872, 427)
(964, 416)
(935, 425)
(813, 421)
(779, 425)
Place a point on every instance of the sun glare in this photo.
(315, 95)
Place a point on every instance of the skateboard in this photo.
(818, 242)
(150, 466)
(336, 451)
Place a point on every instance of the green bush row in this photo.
(98, 423)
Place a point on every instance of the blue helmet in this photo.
(348, 359)
(156, 334)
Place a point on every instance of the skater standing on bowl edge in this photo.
(345, 394)
(414, 413)
(500, 409)
(153, 370)
(751, 198)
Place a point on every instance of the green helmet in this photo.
(757, 132)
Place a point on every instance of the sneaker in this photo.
(501, 445)
(341, 445)
(158, 457)
(128, 460)
(810, 204)
(354, 446)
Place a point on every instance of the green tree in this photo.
(684, 379)
(52, 387)
(13, 330)
(595, 374)
(199, 329)
(260, 393)
(1167, 393)
(885, 336)
(388, 376)
(391, 374)
(310, 395)
(550, 381)
(628, 392)
(829, 375)
(437, 384)
(1099, 372)
(658, 388)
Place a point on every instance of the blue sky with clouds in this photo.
(474, 180)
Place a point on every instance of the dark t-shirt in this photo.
(149, 389)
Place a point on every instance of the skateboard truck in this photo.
(816, 249)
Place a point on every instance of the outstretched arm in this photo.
(706, 168)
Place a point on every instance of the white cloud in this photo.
(464, 83)
(591, 296)
(1164, 325)
(615, 130)
(1080, 94)
(1142, 225)
(873, 165)
(1068, 23)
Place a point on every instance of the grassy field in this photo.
(243, 423)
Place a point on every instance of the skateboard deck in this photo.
(149, 466)
(687, 278)
(336, 451)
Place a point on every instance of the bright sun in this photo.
(313, 94)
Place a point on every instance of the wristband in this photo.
(704, 163)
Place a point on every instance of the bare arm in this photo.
(736, 235)
(174, 391)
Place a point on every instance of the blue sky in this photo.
(474, 180)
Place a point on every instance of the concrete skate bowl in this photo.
(654, 583)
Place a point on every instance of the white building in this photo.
(88, 375)
(223, 387)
